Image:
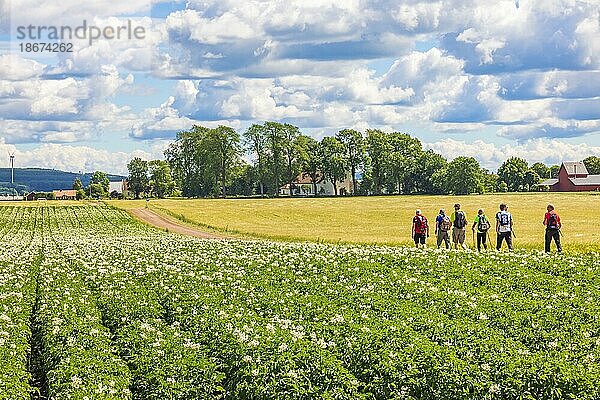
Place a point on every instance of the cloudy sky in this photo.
(486, 78)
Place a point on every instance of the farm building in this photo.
(573, 177)
(65, 194)
(117, 186)
(303, 186)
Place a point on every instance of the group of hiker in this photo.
(456, 224)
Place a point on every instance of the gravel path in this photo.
(159, 221)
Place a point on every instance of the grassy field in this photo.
(382, 220)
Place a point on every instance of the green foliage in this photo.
(100, 178)
(203, 160)
(137, 181)
(333, 160)
(592, 164)
(513, 172)
(542, 170)
(125, 311)
(161, 183)
(355, 149)
(77, 185)
(464, 176)
(379, 150)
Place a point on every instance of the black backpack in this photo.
(460, 220)
(484, 224)
(552, 221)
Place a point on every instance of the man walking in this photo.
(459, 227)
(420, 229)
(483, 225)
(504, 227)
(553, 225)
(442, 227)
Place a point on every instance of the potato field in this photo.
(95, 305)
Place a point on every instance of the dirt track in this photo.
(154, 219)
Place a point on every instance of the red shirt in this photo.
(547, 218)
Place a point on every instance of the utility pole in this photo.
(12, 167)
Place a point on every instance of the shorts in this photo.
(419, 238)
(458, 235)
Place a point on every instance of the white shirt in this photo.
(504, 228)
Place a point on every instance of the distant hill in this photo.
(44, 180)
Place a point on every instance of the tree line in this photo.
(211, 162)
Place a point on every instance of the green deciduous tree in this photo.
(161, 182)
(256, 142)
(402, 161)
(512, 172)
(311, 163)
(333, 160)
(203, 160)
(355, 152)
(224, 146)
(77, 185)
(464, 176)
(379, 150)
(137, 180)
(542, 170)
(592, 164)
(531, 180)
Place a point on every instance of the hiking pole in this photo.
(473, 231)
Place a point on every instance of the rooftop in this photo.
(575, 167)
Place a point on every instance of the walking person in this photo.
(459, 227)
(483, 225)
(442, 229)
(420, 229)
(553, 225)
(504, 227)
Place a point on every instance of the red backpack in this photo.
(420, 224)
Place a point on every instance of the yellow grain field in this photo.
(382, 220)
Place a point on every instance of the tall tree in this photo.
(275, 140)
(77, 185)
(403, 160)
(464, 176)
(333, 160)
(512, 172)
(310, 160)
(379, 150)
(161, 181)
(188, 158)
(355, 149)
(542, 170)
(592, 164)
(138, 176)
(490, 181)
(100, 178)
(428, 173)
(256, 142)
(291, 153)
(531, 180)
(226, 149)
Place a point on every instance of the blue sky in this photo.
(486, 78)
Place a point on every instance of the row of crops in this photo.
(94, 305)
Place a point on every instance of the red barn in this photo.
(573, 177)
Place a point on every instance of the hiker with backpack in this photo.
(553, 225)
(420, 229)
(442, 229)
(459, 227)
(504, 227)
(483, 225)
